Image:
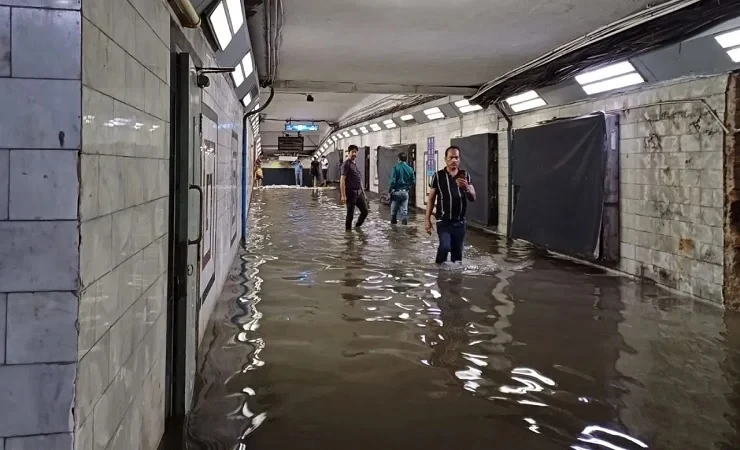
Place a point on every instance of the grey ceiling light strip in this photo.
(607, 31)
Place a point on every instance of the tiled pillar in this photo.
(40, 94)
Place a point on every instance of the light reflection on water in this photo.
(324, 339)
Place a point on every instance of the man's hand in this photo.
(342, 200)
(428, 226)
(462, 184)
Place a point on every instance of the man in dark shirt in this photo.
(350, 189)
(315, 172)
(449, 193)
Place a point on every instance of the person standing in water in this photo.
(450, 190)
(315, 181)
(350, 189)
(325, 170)
(298, 166)
(402, 181)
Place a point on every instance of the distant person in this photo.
(350, 189)
(450, 190)
(402, 181)
(315, 172)
(298, 166)
(325, 170)
(258, 175)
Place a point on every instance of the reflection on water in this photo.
(325, 339)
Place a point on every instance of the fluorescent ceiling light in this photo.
(470, 108)
(435, 116)
(530, 104)
(364, 130)
(247, 64)
(235, 13)
(334, 138)
(375, 127)
(734, 54)
(630, 79)
(220, 26)
(529, 95)
(354, 132)
(346, 134)
(247, 99)
(605, 72)
(407, 117)
(730, 39)
(432, 111)
(462, 103)
(390, 124)
(238, 75)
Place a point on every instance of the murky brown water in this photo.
(328, 340)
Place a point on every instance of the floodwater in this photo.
(324, 339)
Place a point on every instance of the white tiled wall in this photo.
(670, 169)
(39, 257)
(124, 167)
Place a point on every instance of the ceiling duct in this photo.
(187, 14)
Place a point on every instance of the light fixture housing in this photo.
(389, 123)
(346, 134)
(247, 65)
(354, 132)
(734, 54)
(364, 130)
(526, 101)
(434, 113)
(407, 117)
(729, 39)
(609, 78)
(375, 127)
(247, 99)
(236, 15)
(465, 107)
(220, 26)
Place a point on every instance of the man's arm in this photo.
(470, 193)
(341, 186)
(392, 183)
(431, 198)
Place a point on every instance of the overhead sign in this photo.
(431, 157)
(301, 127)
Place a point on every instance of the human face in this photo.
(452, 159)
(353, 154)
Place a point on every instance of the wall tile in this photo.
(121, 343)
(40, 397)
(95, 249)
(98, 13)
(107, 309)
(3, 321)
(48, 442)
(39, 256)
(111, 184)
(92, 378)
(89, 177)
(108, 413)
(46, 43)
(58, 4)
(4, 183)
(123, 29)
(43, 185)
(4, 42)
(84, 437)
(53, 106)
(41, 328)
(97, 125)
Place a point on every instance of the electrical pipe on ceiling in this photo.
(602, 33)
(191, 19)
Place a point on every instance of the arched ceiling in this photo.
(406, 45)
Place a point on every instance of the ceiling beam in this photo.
(348, 87)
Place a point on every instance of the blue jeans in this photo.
(299, 178)
(399, 200)
(451, 240)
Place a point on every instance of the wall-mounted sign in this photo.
(431, 157)
(301, 127)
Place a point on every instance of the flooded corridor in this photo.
(324, 339)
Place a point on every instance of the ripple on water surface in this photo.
(326, 339)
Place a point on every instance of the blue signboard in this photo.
(301, 127)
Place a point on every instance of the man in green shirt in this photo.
(402, 181)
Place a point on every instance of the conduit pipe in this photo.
(190, 17)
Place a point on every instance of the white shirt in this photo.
(324, 163)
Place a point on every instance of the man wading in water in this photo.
(350, 189)
(449, 191)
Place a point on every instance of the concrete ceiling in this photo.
(422, 42)
(326, 105)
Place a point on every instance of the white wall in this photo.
(671, 163)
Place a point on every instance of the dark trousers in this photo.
(355, 198)
(451, 240)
